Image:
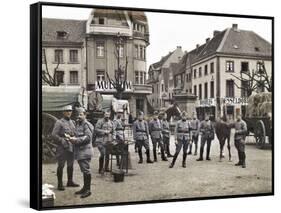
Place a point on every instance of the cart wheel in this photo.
(48, 145)
(260, 134)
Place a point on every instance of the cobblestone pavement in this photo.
(157, 181)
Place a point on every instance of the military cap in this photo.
(140, 113)
(155, 113)
(81, 109)
(67, 108)
(183, 113)
(107, 113)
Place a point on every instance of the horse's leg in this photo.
(228, 146)
(221, 141)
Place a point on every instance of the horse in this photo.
(173, 111)
(223, 131)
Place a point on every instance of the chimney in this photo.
(216, 32)
(235, 26)
(197, 45)
(207, 40)
(178, 47)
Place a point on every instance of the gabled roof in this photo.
(160, 63)
(75, 29)
(244, 42)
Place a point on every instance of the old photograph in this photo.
(140, 106)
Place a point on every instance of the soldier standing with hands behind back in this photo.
(83, 150)
(105, 136)
(141, 137)
(166, 135)
(182, 137)
(155, 129)
(194, 126)
(63, 129)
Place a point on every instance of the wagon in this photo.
(259, 119)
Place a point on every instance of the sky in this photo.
(167, 31)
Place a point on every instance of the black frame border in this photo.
(36, 104)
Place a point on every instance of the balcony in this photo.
(109, 30)
(142, 35)
(142, 89)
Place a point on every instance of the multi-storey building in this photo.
(160, 77)
(109, 31)
(63, 53)
(212, 65)
(87, 53)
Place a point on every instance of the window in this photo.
(195, 90)
(230, 88)
(121, 51)
(139, 104)
(259, 66)
(206, 91)
(136, 51)
(141, 52)
(244, 88)
(59, 75)
(58, 56)
(244, 66)
(162, 87)
(100, 49)
(101, 21)
(73, 77)
(122, 77)
(43, 56)
(194, 72)
(100, 75)
(200, 72)
(212, 89)
(206, 69)
(141, 77)
(229, 66)
(73, 56)
(200, 91)
(212, 67)
(137, 77)
(61, 34)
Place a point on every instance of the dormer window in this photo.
(61, 34)
(101, 21)
(257, 49)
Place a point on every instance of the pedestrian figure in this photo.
(63, 129)
(105, 132)
(239, 140)
(141, 137)
(182, 137)
(155, 130)
(208, 134)
(83, 150)
(166, 134)
(194, 126)
(119, 126)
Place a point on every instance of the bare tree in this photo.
(255, 79)
(51, 80)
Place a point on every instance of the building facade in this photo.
(63, 52)
(118, 37)
(160, 77)
(209, 75)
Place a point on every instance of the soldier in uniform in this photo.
(182, 136)
(194, 126)
(105, 132)
(63, 129)
(239, 140)
(119, 126)
(83, 150)
(166, 134)
(155, 130)
(141, 137)
(208, 134)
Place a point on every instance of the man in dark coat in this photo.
(63, 129)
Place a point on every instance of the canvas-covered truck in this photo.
(259, 118)
(55, 98)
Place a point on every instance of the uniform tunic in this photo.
(141, 133)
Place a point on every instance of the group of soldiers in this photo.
(75, 141)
